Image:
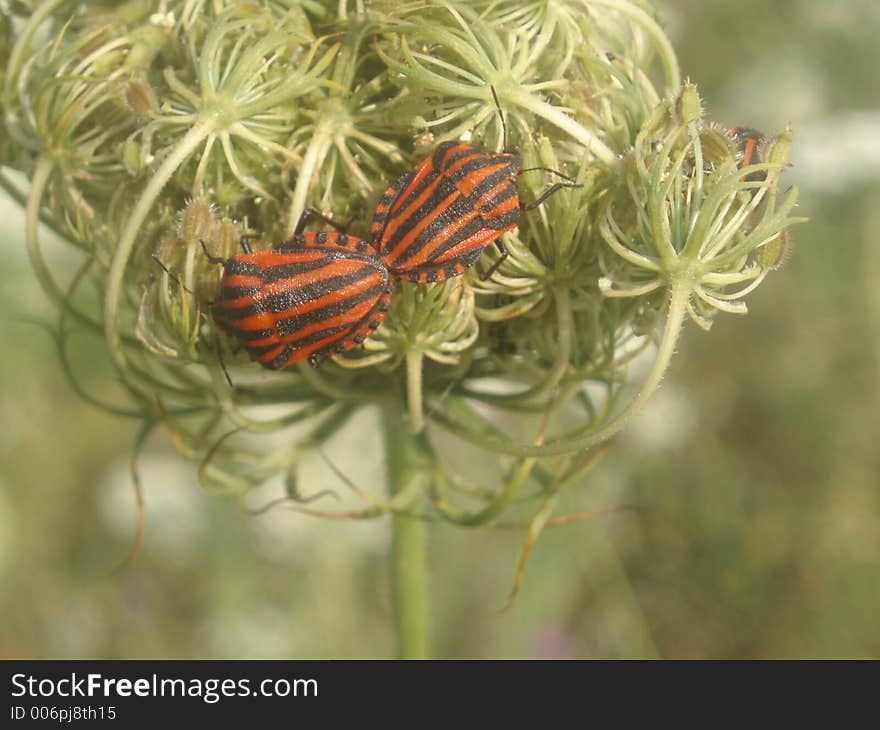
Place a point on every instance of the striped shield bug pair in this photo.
(317, 294)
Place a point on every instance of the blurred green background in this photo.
(756, 468)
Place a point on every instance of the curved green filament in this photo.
(679, 296)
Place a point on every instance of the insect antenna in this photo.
(501, 117)
(549, 169)
(173, 276)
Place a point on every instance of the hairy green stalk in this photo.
(408, 467)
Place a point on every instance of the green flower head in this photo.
(157, 133)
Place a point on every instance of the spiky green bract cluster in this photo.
(147, 127)
(702, 223)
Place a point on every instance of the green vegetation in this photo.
(745, 496)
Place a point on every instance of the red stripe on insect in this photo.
(311, 296)
(749, 150)
(436, 221)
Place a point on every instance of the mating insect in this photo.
(313, 295)
(750, 150)
(434, 222)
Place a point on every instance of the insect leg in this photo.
(211, 259)
(310, 213)
(502, 249)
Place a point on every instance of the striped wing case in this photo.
(434, 222)
(309, 297)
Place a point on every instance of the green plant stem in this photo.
(11, 189)
(561, 364)
(319, 146)
(40, 178)
(407, 462)
(17, 60)
(565, 123)
(680, 293)
(414, 390)
(664, 47)
(175, 158)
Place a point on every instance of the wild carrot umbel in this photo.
(159, 127)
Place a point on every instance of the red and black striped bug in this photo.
(313, 295)
(752, 149)
(749, 146)
(434, 222)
